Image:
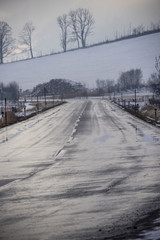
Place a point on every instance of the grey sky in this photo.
(110, 16)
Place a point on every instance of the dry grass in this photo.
(11, 118)
(149, 111)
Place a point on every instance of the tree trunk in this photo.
(31, 51)
(78, 42)
(83, 43)
(1, 52)
(1, 60)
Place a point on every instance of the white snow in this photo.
(86, 65)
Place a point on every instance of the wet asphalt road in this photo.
(84, 170)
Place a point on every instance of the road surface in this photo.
(83, 170)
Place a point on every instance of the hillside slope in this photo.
(87, 65)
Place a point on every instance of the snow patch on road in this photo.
(70, 140)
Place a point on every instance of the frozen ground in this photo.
(87, 65)
(85, 170)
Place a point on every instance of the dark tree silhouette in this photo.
(6, 40)
(131, 79)
(9, 91)
(63, 24)
(154, 80)
(81, 23)
(26, 36)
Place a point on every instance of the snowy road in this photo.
(84, 170)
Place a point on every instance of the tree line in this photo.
(7, 43)
(9, 91)
(127, 80)
(154, 80)
(75, 27)
(59, 87)
(130, 80)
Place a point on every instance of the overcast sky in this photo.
(110, 16)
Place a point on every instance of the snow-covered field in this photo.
(87, 65)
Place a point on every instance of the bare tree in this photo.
(140, 29)
(154, 80)
(63, 24)
(131, 79)
(10, 91)
(105, 86)
(81, 23)
(6, 40)
(110, 86)
(74, 28)
(157, 65)
(26, 36)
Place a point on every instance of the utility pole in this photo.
(5, 111)
(121, 98)
(128, 104)
(1, 98)
(45, 96)
(2, 111)
(37, 104)
(24, 110)
(53, 99)
(135, 101)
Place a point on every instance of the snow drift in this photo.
(86, 65)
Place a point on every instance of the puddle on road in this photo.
(103, 138)
(150, 139)
(147, 138)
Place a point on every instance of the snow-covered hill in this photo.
(86, 65)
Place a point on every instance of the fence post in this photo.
(45, 96)
(24, 110)
(37, 104)
(128, 104)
